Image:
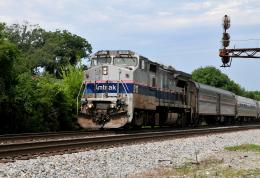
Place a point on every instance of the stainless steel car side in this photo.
(246, 108)
(215, 101)
(224, 105)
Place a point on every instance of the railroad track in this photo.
(29, 137)
(8, 151)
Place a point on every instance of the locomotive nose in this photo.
(103, 73)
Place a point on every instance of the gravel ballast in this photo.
(128, 159)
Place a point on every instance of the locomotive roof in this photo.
(106, 53)
(114, 53)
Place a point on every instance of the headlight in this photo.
(112, 105)
(90, 105)
(104, 70)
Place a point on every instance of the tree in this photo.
(8, 55)
(66, 49)
(48, 50)
(210, 76)
(26, 36)
(30, 102)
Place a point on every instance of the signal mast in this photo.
(228, 54)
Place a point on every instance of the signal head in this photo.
(225, 40)
(226, 22)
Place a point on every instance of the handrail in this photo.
(78, 96)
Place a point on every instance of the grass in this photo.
(240, 173)
(205, 169)
(210, 167)
(244, 147)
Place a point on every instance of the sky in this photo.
(185, 34)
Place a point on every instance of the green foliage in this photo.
(47, 106)
(210, 76)
(253, 94)
(50, 50)
(31, 100)
(210, 167)
(2, 33)
(234, 87)
(27, 37)
(8, 54)
(244, 147)
(72, 80)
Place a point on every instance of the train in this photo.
(123, 89)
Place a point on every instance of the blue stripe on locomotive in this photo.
(129, 87)
(109, 88)
(149, 91)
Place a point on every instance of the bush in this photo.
(43, 103)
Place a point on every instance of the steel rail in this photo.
(11, 150)
(48, 135)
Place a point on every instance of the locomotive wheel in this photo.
(151, 118)
(138, 120)
(212, 120)
(197, 122)
(182, 120)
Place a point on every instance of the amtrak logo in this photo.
(109, 88)
(106, 87)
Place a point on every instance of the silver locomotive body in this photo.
(107, 99)
(122, 88)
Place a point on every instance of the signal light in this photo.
(226, 22)
(225, 60)
(226, 36)
(225, 39)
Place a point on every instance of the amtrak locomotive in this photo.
(122, 89)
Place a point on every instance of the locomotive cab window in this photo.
(100, 60)
(125, 61)
(152, 68)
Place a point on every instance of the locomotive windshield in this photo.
(100, 61)
(125, 61)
